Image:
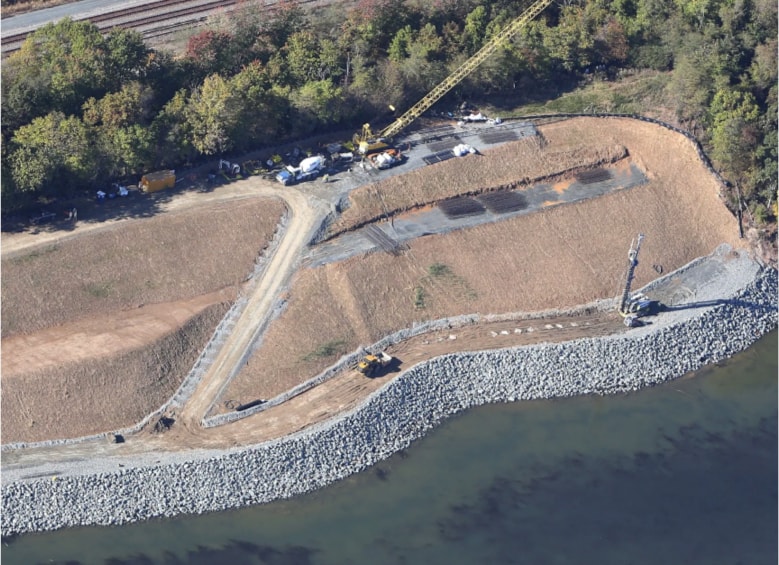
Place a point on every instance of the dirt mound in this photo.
(561, 257)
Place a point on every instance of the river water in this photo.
(681, 473)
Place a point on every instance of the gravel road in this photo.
(730, 303)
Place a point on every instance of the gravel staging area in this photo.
(724, 315)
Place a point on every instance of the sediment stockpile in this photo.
(558, 258)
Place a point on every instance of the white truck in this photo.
(386, 159)
(308, 169)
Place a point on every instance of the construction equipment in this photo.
(372, 364)
(368, 142)
(308, 169)
(386, 159)
(152, 182)
(633, 307)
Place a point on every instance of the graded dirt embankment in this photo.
(558, 258)
(106, 393)
(517, 163)
(108, 323)
(166, 258)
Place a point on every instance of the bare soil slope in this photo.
(106, 393)
(564, 256)
(512, 164)
(112, 320)
(161, 259)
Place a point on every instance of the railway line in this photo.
(153, 19)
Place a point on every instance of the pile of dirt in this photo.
(109, 393)
(510, 165)
(161, 259)
(560, 257)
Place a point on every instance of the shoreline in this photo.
(741, 308)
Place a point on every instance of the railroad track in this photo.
(153, 19)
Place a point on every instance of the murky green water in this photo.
(683, 473)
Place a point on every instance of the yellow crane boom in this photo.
(453, 79)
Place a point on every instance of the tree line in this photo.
(80, 108)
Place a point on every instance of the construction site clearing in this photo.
(545, 221)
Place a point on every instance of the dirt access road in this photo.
(13, 244)
(303, 217)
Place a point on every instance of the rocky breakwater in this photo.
(395, 416)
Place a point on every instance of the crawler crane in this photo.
(369, 142)
(631, 307)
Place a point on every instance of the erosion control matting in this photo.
(500, 136)
(460, 207)
(593, 176)
(377, 236)
(438, 157)
(502, 201)
(444, 144)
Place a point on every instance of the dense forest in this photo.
(80, 109)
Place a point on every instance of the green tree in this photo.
(127, 149)
(302, 57)
(130, 105)
(69, 59)
(25, 95)
(129, 58)
(318, 103)
(262, 108)
(427, 44)
(285, 18)
(172, 131)
(697, 75)
(571, 42)
(213, 113)
(475, 28)
(400, 47)
(52, 154)
(733, 118)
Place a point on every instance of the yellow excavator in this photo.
(369, 142)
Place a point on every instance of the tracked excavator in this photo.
(369, 142)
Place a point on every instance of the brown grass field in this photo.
(99, 330)
(561, 257)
